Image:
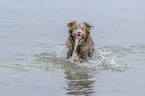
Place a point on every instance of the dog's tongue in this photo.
(78, 37)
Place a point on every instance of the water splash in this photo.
(104, 59)
(107, 60)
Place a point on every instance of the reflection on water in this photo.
(80, 75)
(79, 78)
(80, 82)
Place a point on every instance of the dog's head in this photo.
(79, 30)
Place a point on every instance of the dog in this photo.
(80, 44)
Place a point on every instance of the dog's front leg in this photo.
(84, 52)
(69, 53)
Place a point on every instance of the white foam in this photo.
(103, 59)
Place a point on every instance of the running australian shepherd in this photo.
(80, 43)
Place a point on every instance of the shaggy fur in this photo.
(80, 43)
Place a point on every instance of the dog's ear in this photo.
(89, 26)
(70, 24)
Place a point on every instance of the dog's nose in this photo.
(79, 32)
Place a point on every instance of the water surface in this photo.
(33, 60)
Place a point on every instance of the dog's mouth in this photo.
(78, 36)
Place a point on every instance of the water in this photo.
(33, 60)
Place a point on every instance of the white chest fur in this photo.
(75, 54)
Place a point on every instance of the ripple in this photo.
(16, 67)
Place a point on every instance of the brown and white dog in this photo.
(80, 43)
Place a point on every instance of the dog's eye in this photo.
(82, 28)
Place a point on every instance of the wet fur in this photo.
(85, 46)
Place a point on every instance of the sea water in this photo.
(33, 36)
